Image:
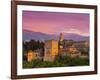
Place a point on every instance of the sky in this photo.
(56, 22)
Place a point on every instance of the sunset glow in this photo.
(56, 22)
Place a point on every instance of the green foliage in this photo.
(61, 61)
(27, 64)
(81, 61)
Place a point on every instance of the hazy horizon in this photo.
(56, 33)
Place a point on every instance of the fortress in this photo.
(54, 48)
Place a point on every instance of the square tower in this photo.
(50, 50)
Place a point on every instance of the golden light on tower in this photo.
(31, 56)
(51, 50)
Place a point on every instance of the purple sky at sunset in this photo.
(56, 22)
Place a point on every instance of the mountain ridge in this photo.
(32, 35)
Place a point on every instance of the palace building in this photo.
(54, 48)
(31, 56)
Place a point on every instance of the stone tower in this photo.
(61, 38)
(50, 50)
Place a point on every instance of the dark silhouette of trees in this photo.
(32, 45)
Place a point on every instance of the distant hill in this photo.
(29, 35)
(75, 37)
